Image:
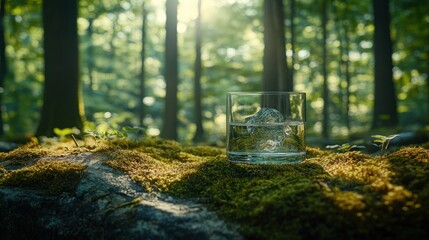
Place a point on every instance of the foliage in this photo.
(383, 141)
(130, 133)
(232, 49)
(62, 133)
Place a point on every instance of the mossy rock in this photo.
(52, 177)
(329, 196)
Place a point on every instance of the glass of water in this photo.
(266, 127)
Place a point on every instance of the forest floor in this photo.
(342, 194)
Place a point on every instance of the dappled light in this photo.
(231, 51)
(217, 119)
(110, 46)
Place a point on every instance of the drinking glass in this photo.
(266, 127)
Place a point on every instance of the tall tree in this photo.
(292, 39)
(2, 61)
(341, 18)
(199, 133)
(170, 123)
(385, 106)
(62, 107)
(90, 64)
(345, 62)
(142, 66)
(90, 60)
(275, 76)
(325, 93)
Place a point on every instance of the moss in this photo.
(24, 155)
(328, 196)
(27, 154)
(2, 170)
(52, 177)
(315, 152)
(411, 169)
(204, 151)
(151, 173)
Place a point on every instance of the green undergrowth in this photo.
(330, 195)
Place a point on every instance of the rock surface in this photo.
(106, 205)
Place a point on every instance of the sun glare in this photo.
(187, 11)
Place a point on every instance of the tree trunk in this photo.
(348, 77)
(342, 29)
(89, 32)
(142, 67)
(3, 65)
(292, 40)
(325, 93)
(199, 133)
(385, 106)
(276, 75)
(427, 87)
(171, 72)
(61, 100)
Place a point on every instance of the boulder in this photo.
(106, 204)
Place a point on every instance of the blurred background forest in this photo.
(329, 48)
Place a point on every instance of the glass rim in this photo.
(266, 92)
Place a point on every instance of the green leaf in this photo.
(65, 131)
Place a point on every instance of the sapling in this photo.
(384, 141)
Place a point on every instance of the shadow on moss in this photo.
(411, 169)
(267, 201)
(329, 196)
(338, 196)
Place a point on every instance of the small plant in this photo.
(383, 142)
(64, 132)
(132, 133)
(345, 147)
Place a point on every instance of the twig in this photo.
(74, 140)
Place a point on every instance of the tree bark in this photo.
(325, 93)
(61, 99)
(199, 133)
(142, 67)
(3, 66)
(276, 75)
(171, 72)
(292, 40)
(89, 32)
(348, 77)
(385, 106)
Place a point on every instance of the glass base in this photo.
(266, 158)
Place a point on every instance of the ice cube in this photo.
(268, 145)
(266, 115)
(267, 128)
